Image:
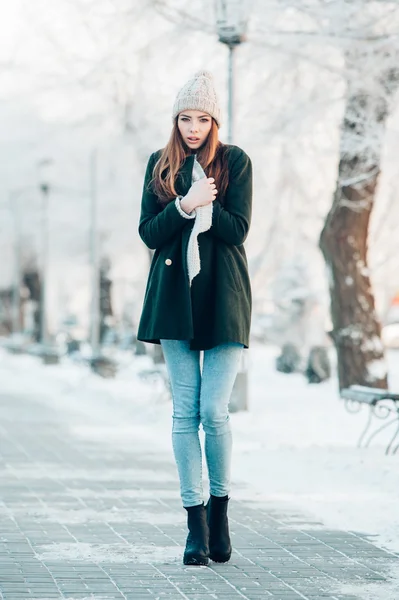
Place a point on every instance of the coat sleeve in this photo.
(230, 222)
(157, 225)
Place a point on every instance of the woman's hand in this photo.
(201, 193)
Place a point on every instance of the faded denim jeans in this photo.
(201, 397)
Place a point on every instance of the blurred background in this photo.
(309, 91)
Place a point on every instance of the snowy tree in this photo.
(361, 37)
(356, 327)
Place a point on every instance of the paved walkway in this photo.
(80, 519)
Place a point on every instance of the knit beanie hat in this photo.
(198, 94)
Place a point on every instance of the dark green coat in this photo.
(217, 308)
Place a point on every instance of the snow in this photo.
(365, 271)
(364, 303)
(111, 553)
(69, 515)
(374, 591)
(295, 447)
(377, 369)
(352, 331)
(373, 344)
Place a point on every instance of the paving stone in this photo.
(71, 528)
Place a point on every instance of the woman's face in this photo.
(194, 127)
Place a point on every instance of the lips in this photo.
(193, 139)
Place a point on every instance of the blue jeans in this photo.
(201, 398)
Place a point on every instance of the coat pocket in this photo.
(234, 275)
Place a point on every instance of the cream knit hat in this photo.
(198, 94)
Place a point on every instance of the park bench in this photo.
(383, 406)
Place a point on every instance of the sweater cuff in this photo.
(181, 211)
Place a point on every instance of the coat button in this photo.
(168, 262)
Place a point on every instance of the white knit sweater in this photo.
(203, 222)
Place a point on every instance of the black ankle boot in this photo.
(219, 537)
(197, 545)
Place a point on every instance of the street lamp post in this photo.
(14, 197)
(94, 260)
(45, 172)
(16, 284)
(231, 22)
(97, 361)
(44, 265)
(45, 168)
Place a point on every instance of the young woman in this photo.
(196, 213)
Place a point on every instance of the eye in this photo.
(184, 119)
(204, 120)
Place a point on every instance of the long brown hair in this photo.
(211, 156)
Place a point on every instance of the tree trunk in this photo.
(372, 80)
(356, 329)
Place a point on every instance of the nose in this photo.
(194, 128)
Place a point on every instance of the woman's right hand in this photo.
(201, 193)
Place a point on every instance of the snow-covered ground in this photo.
(294, 448)
(297, 445)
